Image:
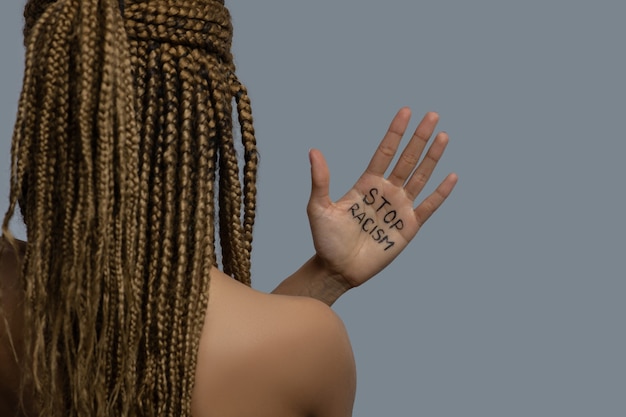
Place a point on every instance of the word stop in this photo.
(378, 228)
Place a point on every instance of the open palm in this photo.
(361, 233)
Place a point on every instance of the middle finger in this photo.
(412, 152)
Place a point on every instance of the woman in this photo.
(115, 306)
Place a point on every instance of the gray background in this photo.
(510, 302)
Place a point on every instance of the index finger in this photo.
(389, 145)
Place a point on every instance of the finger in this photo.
(320, 179)
(389, 145)
(413, 151)
(422, 174)
(435, 200)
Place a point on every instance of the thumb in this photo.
(320, 179)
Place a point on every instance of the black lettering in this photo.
(389, 242)
(370, 202)
(385, 202)
(368, 220)
(369, 224)
(392, 214)
(397, 225)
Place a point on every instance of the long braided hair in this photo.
(123, 143)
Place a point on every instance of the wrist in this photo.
(314, 279)
(328, 278)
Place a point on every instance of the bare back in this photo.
(260, 354)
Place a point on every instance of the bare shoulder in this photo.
(263, 354)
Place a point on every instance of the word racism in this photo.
(369, 225)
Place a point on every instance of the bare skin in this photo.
(288, 356)
(347, 251)
(285, 355)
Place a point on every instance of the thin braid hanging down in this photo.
(124, 127)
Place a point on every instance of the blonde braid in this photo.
(70, 140)
(122, 125)
(230, 186)
(251, 158)
(187, 46)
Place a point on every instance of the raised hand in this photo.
(361, 233)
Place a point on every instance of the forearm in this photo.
(315, 281)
